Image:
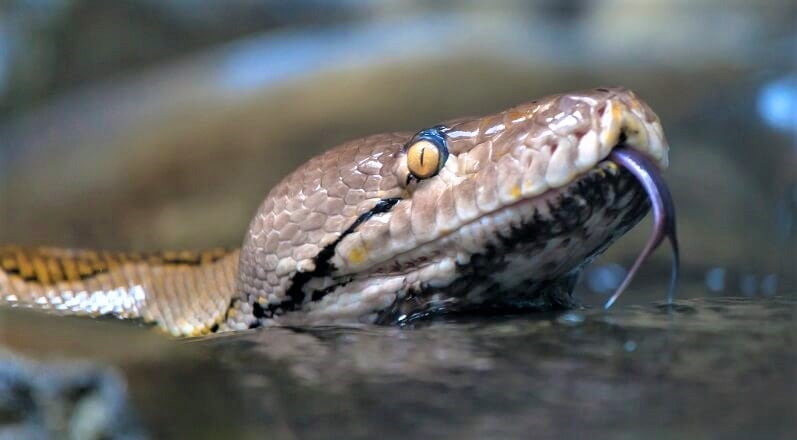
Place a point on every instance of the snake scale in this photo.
(498, 212)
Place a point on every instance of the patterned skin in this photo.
(521, 201)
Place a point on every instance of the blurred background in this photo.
(152, 124)
(157, 124)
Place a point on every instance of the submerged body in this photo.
(501, 211)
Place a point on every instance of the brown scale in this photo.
(185, 293)
(48, 266)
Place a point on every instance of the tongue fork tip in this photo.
(663, 216)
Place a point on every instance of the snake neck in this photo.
(183, 293)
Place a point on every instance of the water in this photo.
(707, 368)
(721, 368)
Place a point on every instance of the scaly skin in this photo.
(523, 201)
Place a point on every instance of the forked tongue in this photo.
(663, 215)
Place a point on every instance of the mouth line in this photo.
(541, 203)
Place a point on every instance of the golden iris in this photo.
(423, 159)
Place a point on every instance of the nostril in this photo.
(622, 138)
(601, 109)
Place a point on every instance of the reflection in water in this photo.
(601, 280)
(748, 284)
(660, 369)
(715, 279)
(769, 284)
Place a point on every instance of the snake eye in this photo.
(426, 154)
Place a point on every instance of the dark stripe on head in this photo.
(323, 267)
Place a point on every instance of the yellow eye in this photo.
(427, 152)
(423, 159)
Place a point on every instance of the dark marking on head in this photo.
(323, 267)
(603, 189)
(258, 310)
(318, 294)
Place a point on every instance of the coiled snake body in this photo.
(500, 211)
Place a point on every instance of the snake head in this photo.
(500, 211)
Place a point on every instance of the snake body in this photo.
(515, 205)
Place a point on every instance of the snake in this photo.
(477, 214)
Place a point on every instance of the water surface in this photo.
(716, 368)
